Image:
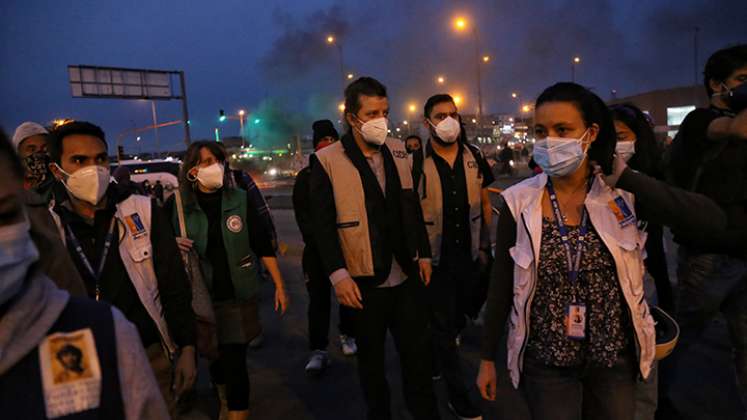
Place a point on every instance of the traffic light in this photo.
(221, 115)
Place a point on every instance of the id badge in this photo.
(622, 212)
(575, 321)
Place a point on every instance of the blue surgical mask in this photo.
(559, 156)
(17, 253)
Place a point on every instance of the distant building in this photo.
(668, 107)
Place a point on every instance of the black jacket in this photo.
(394, 220)
(116, 286)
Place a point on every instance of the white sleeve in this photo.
(140, 393)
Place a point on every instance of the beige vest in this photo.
(350, 202)
(431, 201)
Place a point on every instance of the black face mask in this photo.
(736, 98)
(36, 168)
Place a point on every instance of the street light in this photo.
(526, 108)
(241, 127)
(514, 95)
(575, 61)
(461, 24)
(412, 107)
(440, 80)
(350, 76)
(457, 99)
(341, 107)
(331, 40)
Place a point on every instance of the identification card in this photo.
(622, 212)
(575, 321)
(71, 374)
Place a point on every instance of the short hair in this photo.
(9, 152)
(647, 157)
(367, 86)
(723, 63)
(593, 110)
(55, 144)
(435, 100)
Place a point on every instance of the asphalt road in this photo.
(280, 389)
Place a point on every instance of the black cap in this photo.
(324, 128)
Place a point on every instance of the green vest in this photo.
(242, 261)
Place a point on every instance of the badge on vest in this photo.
(71, 373)
(135, 225)
(234, 224)
(622, 212)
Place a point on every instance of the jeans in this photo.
(709, 284)
(319, 286)
(575, 393)
(402, 311)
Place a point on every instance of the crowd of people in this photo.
(109, 296)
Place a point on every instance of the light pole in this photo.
(332, 40)
(155, 126)
(575, 61)
(139, 146)
(241, 127)
(461, 24)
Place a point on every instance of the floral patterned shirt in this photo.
(608, 329)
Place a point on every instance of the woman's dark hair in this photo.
(54, 145)
(593, 111)
(723, 63)
(647, 157)
(192, 159)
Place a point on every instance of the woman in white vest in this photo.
(580, 332)
(568, 272)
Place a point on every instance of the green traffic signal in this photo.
(221, 115)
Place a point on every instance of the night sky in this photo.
(270, 57)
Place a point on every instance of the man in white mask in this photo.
(368, 224)
(125, 251)
(453, 194)
(61, 355)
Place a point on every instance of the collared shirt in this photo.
(376, 162)
(456, 236)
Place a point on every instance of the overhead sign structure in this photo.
(124, 83)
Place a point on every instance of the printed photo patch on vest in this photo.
(234, 224)
(135, 225)
(472, 164)
(621, 211)
(71, 374)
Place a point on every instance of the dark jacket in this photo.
(54, 260)
(311, 262)
(394, 220)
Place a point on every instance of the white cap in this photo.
(27, 130)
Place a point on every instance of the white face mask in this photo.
(625, 149)
(374, 131)
(88, 184)
(17, 253)
(211, 177)
(559, 156)
(447, 130)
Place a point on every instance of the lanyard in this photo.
(96, 275)
(573, 265)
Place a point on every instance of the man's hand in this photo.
(185, 244)
(185, 371)
(281, 300)
(486, 380)
(348, 293)
(425, 271)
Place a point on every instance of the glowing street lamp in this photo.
(576, 60)
(485, 58)
(457, 99)
(350, 76)
(526, 108)
(412, 108)
(341, 107)
(440, 80)
(460, 23)
(514, 95)
(331, 40)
